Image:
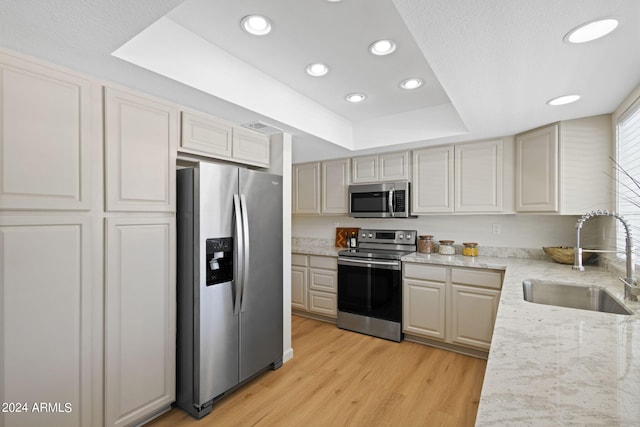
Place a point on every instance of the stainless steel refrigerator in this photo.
(229, 281)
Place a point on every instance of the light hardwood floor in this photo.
(342, 378)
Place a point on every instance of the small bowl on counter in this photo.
(565, 254)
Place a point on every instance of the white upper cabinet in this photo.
(465, 178)
(394, 166)
(50, 127)
(335, 187)
(206, 135)
(250, 147)
(478, 177)
(365, 169)
(537, 170)
(432, 185)
(380, 168)
(321, 188)
(306, 188)
(210, 136)
(565, 167)
(141, 137)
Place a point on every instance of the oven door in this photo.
(370, 288)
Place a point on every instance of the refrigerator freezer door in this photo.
(261, 315)
(217, 326)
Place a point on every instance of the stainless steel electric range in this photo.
(370, 283)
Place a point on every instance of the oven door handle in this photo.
(369, 262)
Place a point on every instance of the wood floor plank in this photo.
(342, 378)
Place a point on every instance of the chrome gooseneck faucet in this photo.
(631, 288)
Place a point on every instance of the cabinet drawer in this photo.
(477, 277)
(323, 280)
(326, 262)
(425, 272)
(301, 260)
(323, 303)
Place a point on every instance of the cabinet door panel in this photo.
(46, 137)
(394, 166)
(537, 170)
(473, 315)
(205, 136)
(478, 177)
(46, 311)
(364, 169)
(250, 147)
(433, 180)
(424, 308)
(335, 187)
(140, 318)
(299, 287)
(306, 188)
(140, 152)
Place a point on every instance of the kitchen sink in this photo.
(584, 297)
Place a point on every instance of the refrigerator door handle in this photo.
(247, 251)
(238, 280)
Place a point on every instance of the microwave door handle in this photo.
(390, 202)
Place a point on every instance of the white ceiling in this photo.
(489, 65)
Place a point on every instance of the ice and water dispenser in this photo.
(219, 260)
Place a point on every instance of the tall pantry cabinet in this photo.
(141, 138)
(87, 249)
(50, 246)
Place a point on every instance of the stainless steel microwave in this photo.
(380, 200)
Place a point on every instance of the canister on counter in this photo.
(470, 249)
(446, 247)
(425, 244)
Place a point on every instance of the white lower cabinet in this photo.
(299, 282)
(456, 306)
(473, 314)
(140, 318)
(49, 315)
(424, 308)
(314, 288)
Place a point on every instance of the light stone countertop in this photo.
(313, 248)
(550, 366)
(556, 366)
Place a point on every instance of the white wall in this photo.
(281, 164)
(516, 231)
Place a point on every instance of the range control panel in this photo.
(397, 237)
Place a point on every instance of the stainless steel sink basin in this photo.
(585, 297)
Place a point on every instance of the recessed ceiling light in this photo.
(412, 83)
(591, 30)
(256, 24)
(382, 47)
(562, 100)
(356, 97)
(317, 69)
